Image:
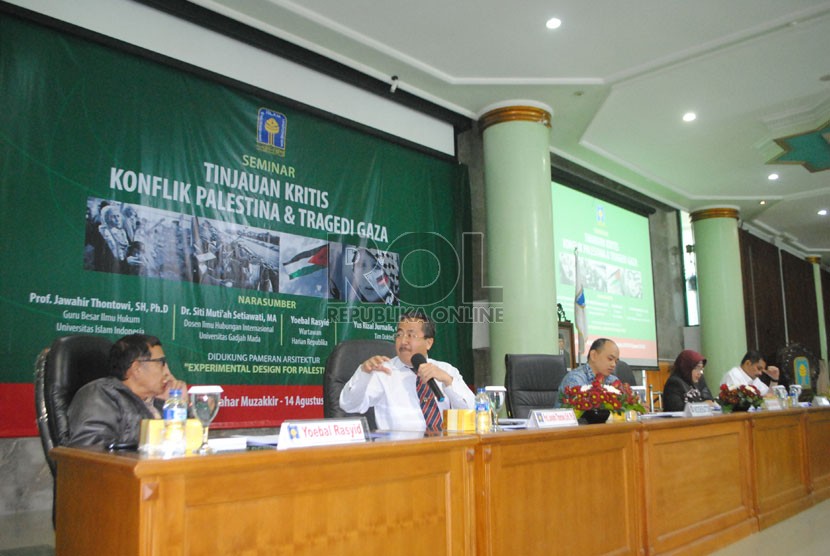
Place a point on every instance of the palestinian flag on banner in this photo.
(307, 262)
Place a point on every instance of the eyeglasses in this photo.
(400, 335)
(160, 360)
(699, 367)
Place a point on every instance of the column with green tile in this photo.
(720, 290)
(516, 139)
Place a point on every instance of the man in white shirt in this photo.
(749, 372)
(389, 385)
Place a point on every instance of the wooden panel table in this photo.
(782, 482)
(817, 425)
(567, 491)
(408, 497)
(698, 479)
(664, 486)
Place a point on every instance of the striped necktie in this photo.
(432, 415)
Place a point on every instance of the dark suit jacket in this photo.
(105, 411)
(677, 391)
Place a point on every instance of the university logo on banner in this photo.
(600, 214)
(802, 371)
(271, 129)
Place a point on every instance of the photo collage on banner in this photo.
(129, 239)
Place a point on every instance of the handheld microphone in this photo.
(417, 361)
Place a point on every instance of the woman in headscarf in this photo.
(686, 383)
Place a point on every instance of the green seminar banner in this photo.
(249, 235)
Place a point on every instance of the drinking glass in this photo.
(795, 393)
(204, 402)
(781, 394)
(496, 395)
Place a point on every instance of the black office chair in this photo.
(625, 374)
(532, 382)
(341, 365)
(60, 371)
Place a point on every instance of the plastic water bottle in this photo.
(174, 413)
(482, 412)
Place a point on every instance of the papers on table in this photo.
(663, 415)
(396, 435)
(227, 444)
(512, 424)
(262, 442)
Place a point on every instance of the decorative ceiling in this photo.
(810, 149)
(619, 77)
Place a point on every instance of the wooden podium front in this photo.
(569, 491)
(665, 486)
(408, 497)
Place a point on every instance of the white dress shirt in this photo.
(737, 377)
(395, 398)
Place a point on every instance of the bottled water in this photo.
(482, 412)
(174, 413)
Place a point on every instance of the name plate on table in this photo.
(322, 432)
(460, 420)
(773, 404)
(551, 418)
(699, 409)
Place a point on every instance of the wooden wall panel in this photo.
(800, 295)
(763, 297)
(825, 293)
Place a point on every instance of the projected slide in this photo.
(615, 265)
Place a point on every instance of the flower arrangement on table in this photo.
(616, 397)
(739, 398)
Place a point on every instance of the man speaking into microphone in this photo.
(409, 392)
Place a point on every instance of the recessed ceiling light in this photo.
(762, 203)
(553, 23)
(822, 212)
(689, 117)
(772, 177)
